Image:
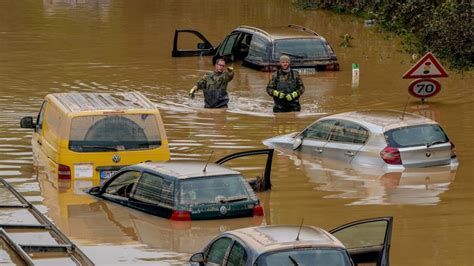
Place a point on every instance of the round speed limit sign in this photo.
(424, 88)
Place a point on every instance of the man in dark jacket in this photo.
(285, 87)
(214, 86)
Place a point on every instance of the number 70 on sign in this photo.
(424, 88)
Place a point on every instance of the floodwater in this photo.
(118, 45)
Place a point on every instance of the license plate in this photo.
(306, 70)
(107, 174)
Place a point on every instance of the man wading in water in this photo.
(285, 87)
(214, 86)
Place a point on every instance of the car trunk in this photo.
(423, 156)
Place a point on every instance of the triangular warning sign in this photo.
(427, 67)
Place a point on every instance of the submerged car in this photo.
(186, 190)
(385, 139)
(261, 48)
(93, 135)
(364, 241)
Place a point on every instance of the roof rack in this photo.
(36, 253)
(303, 29)
(255, 29)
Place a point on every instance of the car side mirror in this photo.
(198, 257)
(27, 122)
(298, 141)
(202, 45)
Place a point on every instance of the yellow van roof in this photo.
(89, 101)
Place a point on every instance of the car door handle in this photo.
(318, 150)
(349, 153)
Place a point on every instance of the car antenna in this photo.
(405, 109)
(299, 230)
(208, 159)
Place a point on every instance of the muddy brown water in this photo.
(116, 45)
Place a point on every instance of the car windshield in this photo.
(96, 133)
(301, 48)
(230, 188)
(336, 257)
(415, 136)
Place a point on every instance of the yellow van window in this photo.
(95, 133)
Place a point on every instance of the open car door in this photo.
(196, 44)
(368, 241)
(259, 183)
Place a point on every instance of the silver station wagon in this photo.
(390, 140)
(364, 242)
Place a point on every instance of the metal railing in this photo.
(31, 253)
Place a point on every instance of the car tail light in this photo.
(453, 151)
(334, 66)
(64, 172)
(391, 155)
(257, 210)
(181, 216)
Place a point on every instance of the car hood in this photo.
(283, 141)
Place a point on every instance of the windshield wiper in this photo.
(107, 148)
(293, 55)
(435, 142)
(232, 199)
(293, 260)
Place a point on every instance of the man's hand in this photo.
(291, 96)
(278, 94)
(191, 92)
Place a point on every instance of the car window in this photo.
(258, 50)
(306, 256)
(363, 235)
(415, 136)
(320, 130)
(154, 189)
(95, 133)
(227, 50)
(122, 185)
(214, 189)
(217, 251)
(345, 131)
(301, 48)
(237, 255)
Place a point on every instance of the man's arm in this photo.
(229, 74)
(299, 83)
(271, 86)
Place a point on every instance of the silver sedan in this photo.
(386, 139)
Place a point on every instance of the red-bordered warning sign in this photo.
(426, 67)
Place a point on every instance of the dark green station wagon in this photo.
(187, 190)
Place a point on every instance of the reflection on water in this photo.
(374, 186)
(103, 45)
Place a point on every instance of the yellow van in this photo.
(93, 135)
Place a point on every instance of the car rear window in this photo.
(301, 48)
(96, 133)
(415, 136)
(336, 257)
(214, 189)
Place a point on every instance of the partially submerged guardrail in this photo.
(57, 246)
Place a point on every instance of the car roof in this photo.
(382, 120)
(276, 237)
(181, 169)
(288, 32)
(104, 101)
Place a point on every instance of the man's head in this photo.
(285, 62)
(220, 65)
